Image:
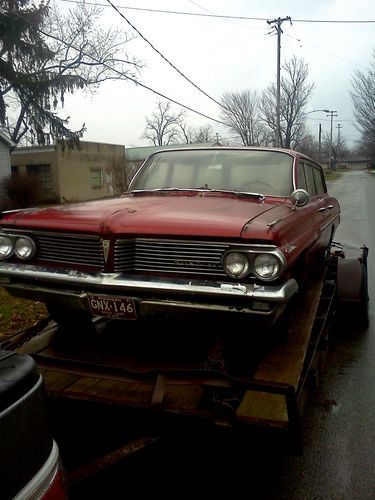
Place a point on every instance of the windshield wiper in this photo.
(232, 191)
(159, 190)
(260, 196)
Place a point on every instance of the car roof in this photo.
(291, 152)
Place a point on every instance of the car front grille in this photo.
(131, 255)
(169, 256)
(63, 248)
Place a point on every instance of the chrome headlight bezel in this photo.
(27, 242)
(237, 258)
(10, 244)
(270, 262)
(250, 257)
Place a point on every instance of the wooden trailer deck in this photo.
(122, 366)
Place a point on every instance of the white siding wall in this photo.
(4, 166)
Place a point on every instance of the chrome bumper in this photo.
(67, 286)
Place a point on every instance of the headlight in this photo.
(6, 247)
(266, 266)
(236, 264)
(24, 248)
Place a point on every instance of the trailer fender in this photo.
(352, 286)
(352, 275)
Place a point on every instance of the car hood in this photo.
(194, 214)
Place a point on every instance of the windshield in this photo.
(266, 172)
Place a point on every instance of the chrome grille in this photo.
(67, 248)
(164, 256)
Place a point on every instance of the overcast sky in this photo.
(227, 55)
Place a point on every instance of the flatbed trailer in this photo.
(164, 373)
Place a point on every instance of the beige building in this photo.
(70, 173)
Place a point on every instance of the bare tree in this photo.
(294, 96)
(363, 97)
(204, 134)
(164, 125)
(310, 147)
(240, 112)
(339, 147)
(44, 55)
(120, 174)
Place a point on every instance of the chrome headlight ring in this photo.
(17, 245)
(264, 263)
(24, 248)
(6, 246)
(236, 264)
(266, 266)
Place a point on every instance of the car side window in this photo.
(319, 180)
(309, 173)
(301, 179)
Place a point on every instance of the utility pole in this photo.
(331, 114)
(339, 127)
(276, 23)
(320, 143)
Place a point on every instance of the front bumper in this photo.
(150, 293)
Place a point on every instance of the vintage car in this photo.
(231, 231)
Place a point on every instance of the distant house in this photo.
(70, 173)
(5, 165)
(354, 163)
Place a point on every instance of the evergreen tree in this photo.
(44, 55)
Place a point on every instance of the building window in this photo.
(43, 172)
(96, 177)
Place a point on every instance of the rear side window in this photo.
(310, 181)
(319, 180)
(311, 178)
(301, 179)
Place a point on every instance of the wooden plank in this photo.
(263, 408)
(64, 381)
(284, 362)
(116, 392)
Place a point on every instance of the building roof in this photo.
(4, 138)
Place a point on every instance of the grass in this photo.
(18, 314)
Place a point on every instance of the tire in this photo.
(74, 322)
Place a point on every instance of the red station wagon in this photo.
(229, 231)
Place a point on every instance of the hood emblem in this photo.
(105, 245)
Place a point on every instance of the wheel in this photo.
(74, 322)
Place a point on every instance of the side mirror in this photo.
(300, 197)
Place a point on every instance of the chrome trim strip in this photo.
(118, 283)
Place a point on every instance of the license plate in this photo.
(112, 307)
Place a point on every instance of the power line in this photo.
(222, 16)
(163, 57)
(120, 72)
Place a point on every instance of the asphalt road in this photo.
(338, 458)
